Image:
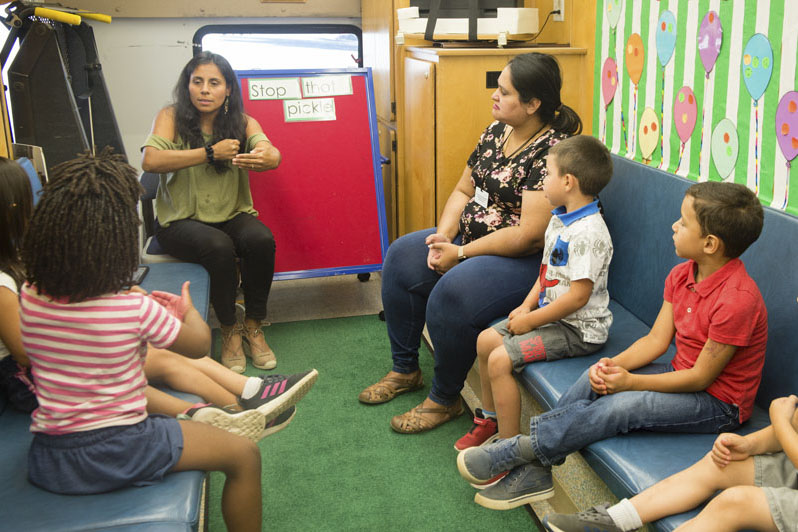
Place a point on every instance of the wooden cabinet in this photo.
(445, 105)
(379, 54)
(387, 134)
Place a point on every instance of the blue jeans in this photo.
(456, 307)
(582, 417)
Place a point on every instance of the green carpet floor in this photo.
(338, 465)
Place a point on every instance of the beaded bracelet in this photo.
(209, 152)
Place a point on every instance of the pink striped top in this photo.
(87, 358)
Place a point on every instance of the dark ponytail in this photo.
(537, 75)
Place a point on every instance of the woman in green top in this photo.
(204, 146)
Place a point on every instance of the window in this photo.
(278, 46)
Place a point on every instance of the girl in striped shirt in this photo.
(86, 339)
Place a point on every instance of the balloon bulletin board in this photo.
(706, 89)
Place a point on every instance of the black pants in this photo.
(216, 247)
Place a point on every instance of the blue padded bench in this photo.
(172, 505)
(641, 203)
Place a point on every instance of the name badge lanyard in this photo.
(507, 160)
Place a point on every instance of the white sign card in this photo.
(274, 89)
(336, 85)
(317, 109)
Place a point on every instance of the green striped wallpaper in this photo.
(659, 106)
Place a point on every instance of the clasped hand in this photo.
(729, 447)
(442, 255)
(518, 321)
(256, 161)
(606, 377)
(225, 149)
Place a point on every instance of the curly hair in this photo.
(82, 240)
(16, 206)
(226, 125)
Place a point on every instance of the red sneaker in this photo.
(485, 430)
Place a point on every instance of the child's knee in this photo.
(487, 342)
(246, 455)
(252, 455)
(728, 500)
(499, 363)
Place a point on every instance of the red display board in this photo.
(324, 204)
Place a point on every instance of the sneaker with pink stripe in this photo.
(277, 393)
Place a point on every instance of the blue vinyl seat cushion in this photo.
(173, 504)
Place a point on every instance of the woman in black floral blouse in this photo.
(496, 219)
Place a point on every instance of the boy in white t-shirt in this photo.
(565, 313)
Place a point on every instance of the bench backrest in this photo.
(640, 204)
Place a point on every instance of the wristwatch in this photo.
(461, 256)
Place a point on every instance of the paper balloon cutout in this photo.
(725, 146)
(710, 37)
(757, 65)
(634, 57)
(685, 111)
(614, 8)
(787, 125)
(666, 37)
(649, 132)
(609, 80)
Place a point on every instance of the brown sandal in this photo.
(389, 387)
(415, 421)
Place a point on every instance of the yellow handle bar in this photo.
(58, 16)
(97, 16)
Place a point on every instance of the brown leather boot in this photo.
(259, 351)
(232, 350)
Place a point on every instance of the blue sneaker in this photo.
(524, 484)
(595, 518)
(480, 464)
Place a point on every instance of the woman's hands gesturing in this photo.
(226, 149)
(260, 159)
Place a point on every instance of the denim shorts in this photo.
(778, 478)
(106, 459)
(552, 341)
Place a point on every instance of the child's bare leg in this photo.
(230, 380)
(737, 508)
(487, 341)
(506, 396)
(207, 448)
(159, 402)
(174, 371)
(689, 488)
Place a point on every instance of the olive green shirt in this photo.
(201, 192)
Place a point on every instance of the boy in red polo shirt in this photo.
(717, 315)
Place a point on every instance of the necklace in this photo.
(522, 146)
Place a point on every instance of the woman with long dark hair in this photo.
(204, 147)
(484, 256)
